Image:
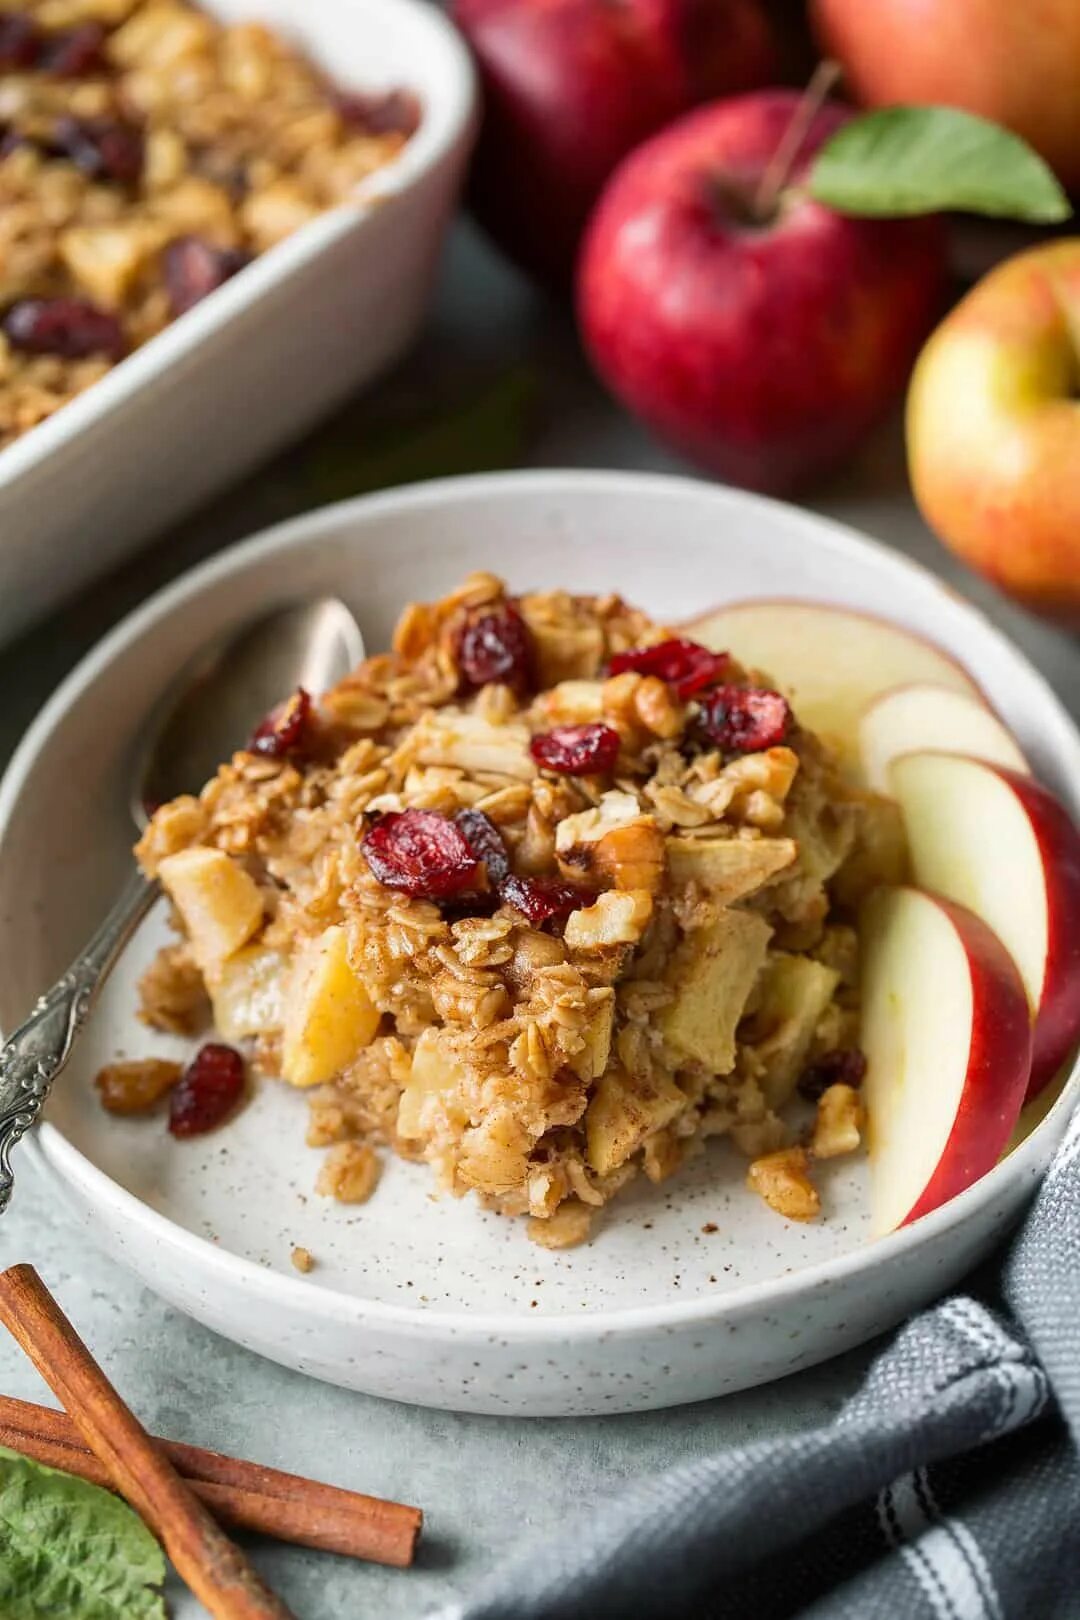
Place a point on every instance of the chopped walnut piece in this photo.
(657, 710)
(568, 1227)
(619, 917)
(349, 1173)
(302, 1258)
(838, 1124)
(630, 857)
(137, 1086)
(783, 1181)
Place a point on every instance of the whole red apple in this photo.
(762, 342)
(571, 86)
(1015, 61)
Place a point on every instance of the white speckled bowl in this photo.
(428, 1301)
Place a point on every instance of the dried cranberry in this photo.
(102, 148)
(207, 1091)
(485, 841)
(744, 719)
(497, 646)
(846, 1068)
(392, 112)
(420, 852)
(20, 43)
(75, 53)
(283, 732)
(576, 750)
(194, 268)
(69, 327)
(543, 899)
(685, 665)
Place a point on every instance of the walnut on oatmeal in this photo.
(500, 915)
(148, 153)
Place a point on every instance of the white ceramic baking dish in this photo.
(304, 327)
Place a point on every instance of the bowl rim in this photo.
(450, 115)
(57, 1156)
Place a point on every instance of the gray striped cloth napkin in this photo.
(948, 1488)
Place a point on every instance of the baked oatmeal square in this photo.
(544, 897)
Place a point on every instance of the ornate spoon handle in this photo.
(34, 1055)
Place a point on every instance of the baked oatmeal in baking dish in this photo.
(147, 153)
(546, 896)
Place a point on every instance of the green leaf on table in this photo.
(481, 432)
(926, 160)
(69, 1548)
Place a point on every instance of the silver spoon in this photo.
(202, 719)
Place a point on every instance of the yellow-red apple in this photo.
(994, 433)
(1015, 61)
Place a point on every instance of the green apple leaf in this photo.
(69, 1548)
(926, 160)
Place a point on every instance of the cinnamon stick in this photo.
(244, 1495)
(213, 1567)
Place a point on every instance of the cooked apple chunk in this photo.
(432, 1074)
(825, 835)
(623, 1112)
(728, 868)
(246, 992)
(471, 743)
(793, 994)
(619, 917)
(713, 972)
(592, 1060)
(879, 855)
(572, 703)
(563, 652)
(219, 903)
(328, 1015)
(494, 1154)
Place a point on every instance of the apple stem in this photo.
(823, 80)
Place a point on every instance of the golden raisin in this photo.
(135, 1087)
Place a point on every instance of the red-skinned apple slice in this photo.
(1001, 844)
(830, 661)
(947, 1036)
(910, 719)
